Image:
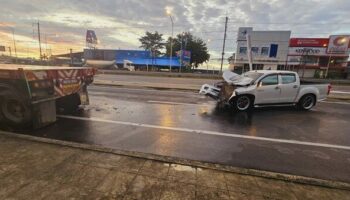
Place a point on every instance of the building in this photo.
(269, 49)
(139, 59)
(319, 57)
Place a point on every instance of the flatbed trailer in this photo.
(30, 95)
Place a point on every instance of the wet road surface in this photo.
(186, 125)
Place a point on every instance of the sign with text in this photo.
(298, 51)
(308, 42)
(338, 44)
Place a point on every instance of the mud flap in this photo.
(84, 96)
(44, 114)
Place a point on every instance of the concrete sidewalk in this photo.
(39, 170)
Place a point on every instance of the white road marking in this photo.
(172, 103)
(196, 131)
(335, 102)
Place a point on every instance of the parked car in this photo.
(266, 88)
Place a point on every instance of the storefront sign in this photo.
(308, 42)
(298, 51)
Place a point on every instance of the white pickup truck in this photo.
(264, 88)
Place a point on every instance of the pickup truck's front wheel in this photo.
(242, 103)
(307, 102)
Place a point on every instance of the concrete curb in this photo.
(175, 160)
(161, 74)
(206, 76)
(341, 98)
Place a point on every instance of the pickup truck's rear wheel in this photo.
(15, 111)
(307, 102)
(242, 103)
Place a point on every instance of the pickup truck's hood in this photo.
(235, 79)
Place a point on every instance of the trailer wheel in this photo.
(14, 110)
(68, 104)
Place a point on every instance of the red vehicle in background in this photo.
(30, 95)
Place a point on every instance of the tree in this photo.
(198, 48)
(152, 42)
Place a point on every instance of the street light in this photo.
(208, 41)
(181, 55)
(168, 12)
(14, 40)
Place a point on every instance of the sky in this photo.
(119, 23)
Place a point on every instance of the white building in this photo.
(269, 49)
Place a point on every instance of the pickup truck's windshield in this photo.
(253, 75)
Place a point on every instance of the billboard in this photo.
(91, 37)
(186, 56)
(308, 42)
(338, 44)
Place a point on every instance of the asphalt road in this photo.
(186, 125)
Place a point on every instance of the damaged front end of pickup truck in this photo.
(225, 91)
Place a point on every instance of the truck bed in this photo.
(35, 72)
(303, 82)
(15, 67)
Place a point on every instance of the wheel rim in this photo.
(243, 103)
(13, 110)
(308, 102)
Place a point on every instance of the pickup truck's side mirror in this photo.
(259, 84)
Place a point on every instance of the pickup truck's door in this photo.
(289, 88)
(268, 90)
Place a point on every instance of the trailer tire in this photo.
(68, 104)
(14, 110)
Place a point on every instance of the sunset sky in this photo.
(119, 23)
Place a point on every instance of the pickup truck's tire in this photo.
(14, 110)
(307, 102)
(242, 103)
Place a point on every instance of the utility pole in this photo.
(39, 39)
(249, 52)
(14, 42)
(223, 46)
(328, 64)
(181, 55)
(10, 51)
(71, 57)
(171, 42)
(46, 45)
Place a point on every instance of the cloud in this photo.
(119, 23)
